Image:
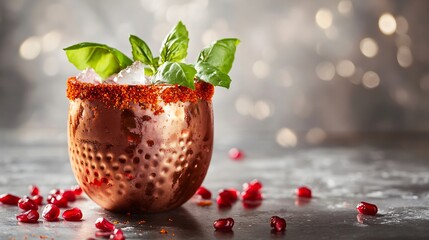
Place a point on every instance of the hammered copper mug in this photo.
(139, 148)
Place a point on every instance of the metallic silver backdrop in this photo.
(304, 69)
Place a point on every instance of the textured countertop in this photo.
(394, 177)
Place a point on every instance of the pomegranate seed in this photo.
(73, 214)
(252, 185)
(9, 199)
(37, 199)
(26, 204)
(117, 235)
(303, 192)
(367, 208)
(224, 224)
(278, 223)
(34, 190)
(51, 212)
(58, 200)
(235, 154)
(204, 193)
(69, 195)
(230, 195)
(104, 225)
(76, 190)
(30, 216)
(223, 203)
(251, 195)
(103, 234)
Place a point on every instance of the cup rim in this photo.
(121, 96)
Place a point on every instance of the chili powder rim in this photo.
(122, 96)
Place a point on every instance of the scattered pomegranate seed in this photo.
(367, 208)
(37, 199)
(69, 195)
(76, 190)
(251, 195)
(252, 185)
(229, 194)
(224, 224)
(34, 190)
(73, 214)
(117, 235)
(9, 199)
(104, 225)
(235, 154)
(51, 212)
(30, 216)
(58, 200)
(278, 223)
(223, 203)
(204, 193)
(303, 192)
(26, 204)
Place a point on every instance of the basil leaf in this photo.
(212, 75)
(175, 45)
(220, 54)
(177, 73)
(103, 59)
(141, 50)
(148, 71)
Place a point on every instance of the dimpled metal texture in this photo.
(132, 160)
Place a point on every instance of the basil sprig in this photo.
(212, 66)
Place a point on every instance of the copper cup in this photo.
(129, 155)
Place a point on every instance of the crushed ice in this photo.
(132, 75)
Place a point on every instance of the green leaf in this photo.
(220, 54)
(177, 73)
(213, 75)
(175, 45)
(141, 50)
(103, 59)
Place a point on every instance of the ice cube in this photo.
(89, 76)
(132, 75)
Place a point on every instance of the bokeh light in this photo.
(368, 47)
(387, 24)
(370, 79)
(286, 138)
(324, 18)
(30, 48)
(404, 56)
(345, 68)
(325, 71)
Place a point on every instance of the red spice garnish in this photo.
(148, 96)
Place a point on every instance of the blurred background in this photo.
(304, 71)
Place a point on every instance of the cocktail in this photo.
(140, 132)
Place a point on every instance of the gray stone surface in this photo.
(396, 178)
